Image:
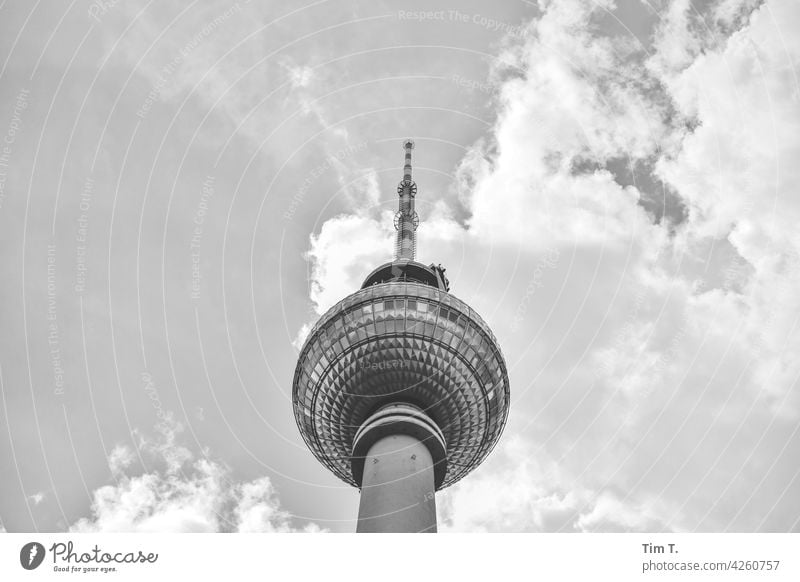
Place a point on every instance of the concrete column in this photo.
(399, 460)
(397, 487)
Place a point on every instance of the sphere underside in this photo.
(401, 342)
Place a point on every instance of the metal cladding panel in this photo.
(401, 342)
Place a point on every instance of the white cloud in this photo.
(581, 99)
(301, 336)
(507, 494)
(120, 458)
(738, 174)
(299, 75)
(676, 42)
(230, 58)
(733, 12)
(257, 509)
(184, 494)
(347, 247)
(519, 491)
(610, 514)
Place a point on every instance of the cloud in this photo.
(231, 61)
(185, 494)
(301, 336)
(580, 101)
(516, 492)
(347, 247)
(738, 177)
(687, 29)
(299, 75)
(257, 510)
(120, 458)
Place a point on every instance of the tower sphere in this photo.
(401, 340)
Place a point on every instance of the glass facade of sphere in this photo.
(401, 342)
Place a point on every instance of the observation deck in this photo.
(401, 341)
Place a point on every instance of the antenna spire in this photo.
(406, 219)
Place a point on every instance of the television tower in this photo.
(400, 388)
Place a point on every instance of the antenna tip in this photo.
(408, 144)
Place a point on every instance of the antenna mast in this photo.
(406, 220)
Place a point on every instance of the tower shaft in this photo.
(399, 458)
(397, 487)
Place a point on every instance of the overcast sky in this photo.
(186, 187)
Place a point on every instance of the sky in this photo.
(186, 186)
